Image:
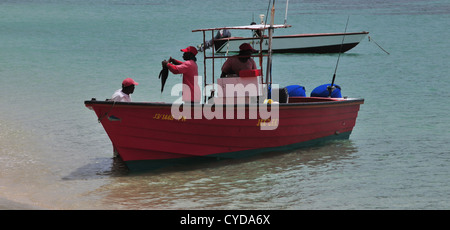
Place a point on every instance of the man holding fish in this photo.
(189, 69)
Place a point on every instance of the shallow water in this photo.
(56, 54)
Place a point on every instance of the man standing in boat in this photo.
(243, 61)
(224, 33)
(124, 93)
(189, 69)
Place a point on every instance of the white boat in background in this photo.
(298, 43)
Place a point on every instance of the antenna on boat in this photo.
(331, 87)
(269, 50)
(285, 15)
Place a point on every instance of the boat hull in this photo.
(299, 43)
(146, 135)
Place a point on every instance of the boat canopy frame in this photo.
(260, 55)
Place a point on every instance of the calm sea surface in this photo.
(54, 54)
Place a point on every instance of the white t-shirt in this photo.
(120, 96)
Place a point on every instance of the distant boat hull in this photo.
(147, 136)
(299, 43)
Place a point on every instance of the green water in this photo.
(56, 54)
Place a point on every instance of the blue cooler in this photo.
(296, 91)
(322, 91)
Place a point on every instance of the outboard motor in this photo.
(322, 91)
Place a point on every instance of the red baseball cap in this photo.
(128, 82)
(190, 49)
(246, 46)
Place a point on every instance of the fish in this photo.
(113, 118)
(163, 76)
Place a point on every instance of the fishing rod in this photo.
(331, 87)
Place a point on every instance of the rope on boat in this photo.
(106, 114)
(371, 39)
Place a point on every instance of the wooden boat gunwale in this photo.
(316, 101)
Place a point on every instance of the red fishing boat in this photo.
(245, 122)
(147, 135)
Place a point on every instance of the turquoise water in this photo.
(56, 54)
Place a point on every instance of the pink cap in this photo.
(128, 82)
(190, 49)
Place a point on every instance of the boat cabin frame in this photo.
(262, 28)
